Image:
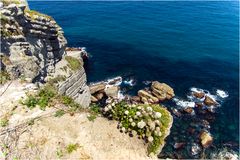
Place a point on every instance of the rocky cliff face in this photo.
(32, 44)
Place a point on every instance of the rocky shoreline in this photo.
(38, 69)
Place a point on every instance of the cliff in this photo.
(32, 44)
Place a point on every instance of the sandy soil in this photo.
(48, 137)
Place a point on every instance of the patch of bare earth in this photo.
(49, 137)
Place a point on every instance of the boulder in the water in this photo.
(206, 139)
(162, 91)
(209, 101)
(198, 94)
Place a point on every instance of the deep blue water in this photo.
(183, 44)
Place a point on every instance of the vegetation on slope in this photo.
(149, 122)
(73, 63)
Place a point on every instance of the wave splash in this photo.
(191, 101)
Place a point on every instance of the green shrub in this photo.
(95, 108)
(149, 122)
(72, 147)
(31, 102)
(42, 98)
(4, 122)
(73, 63)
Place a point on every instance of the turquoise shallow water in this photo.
(183, 44)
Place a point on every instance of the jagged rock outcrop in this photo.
(33, 47)
(72, 83)
(162, 91)
(33, 42)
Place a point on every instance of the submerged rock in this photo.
(179, 145)
(162, 91)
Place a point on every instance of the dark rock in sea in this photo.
(189, 110)
(209, 101)
(199, 95)
(191, 130)
(179, 145)
(199, 104)
(205, 123)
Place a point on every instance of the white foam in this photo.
(184, 104)
(116, 81)
(198, 90)
(129, 82)
(222, 93)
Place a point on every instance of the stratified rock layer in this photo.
(33, 42)
(33, 48)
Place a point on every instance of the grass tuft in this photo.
(73, 63)
(72, 147)
(4, 77)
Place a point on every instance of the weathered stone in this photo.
(147, 97)
(198, 94)
(97, 87)
(94, 99)
(112, 91)
(162, 91)
(209, 101)
(99, 96)
(206, 139)
(135, 99)
(74, 85)
(29, 38)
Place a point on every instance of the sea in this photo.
(189, 45)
